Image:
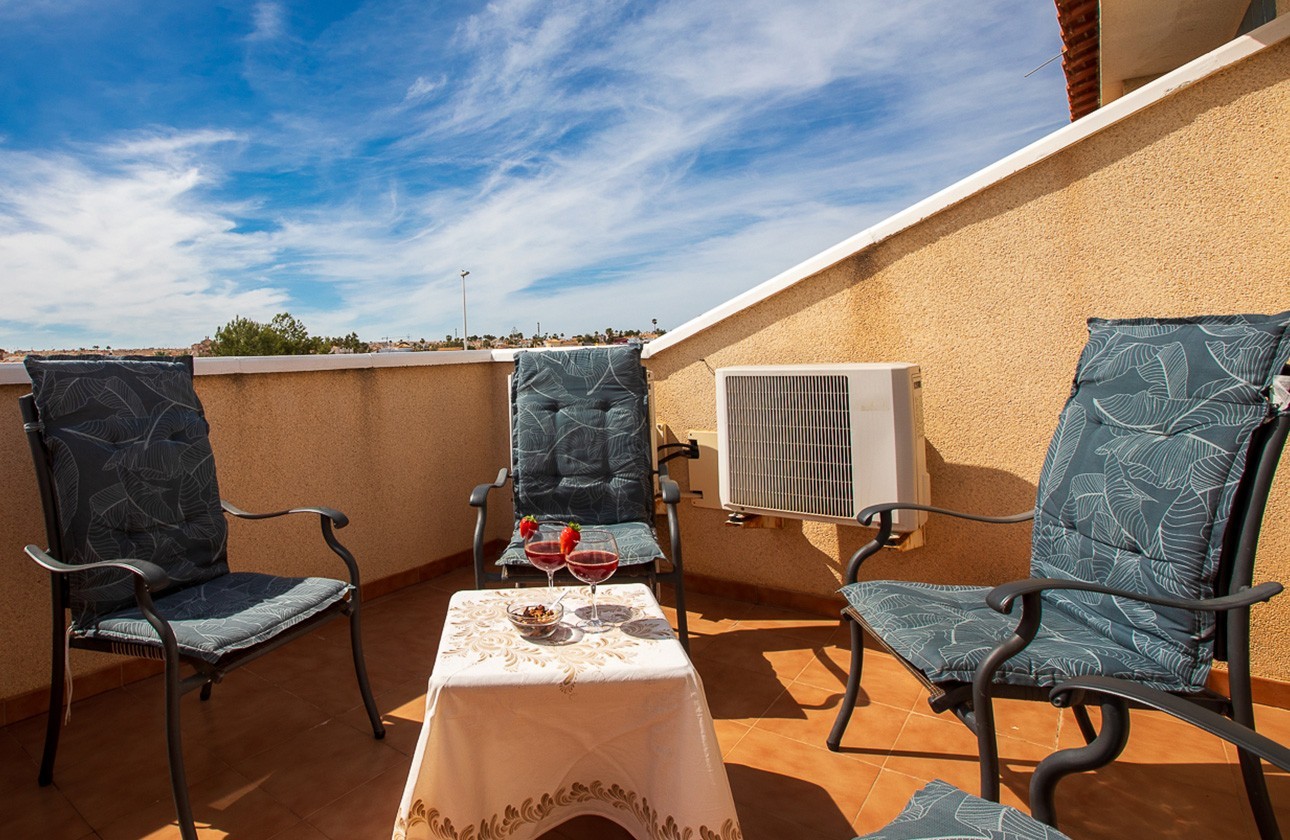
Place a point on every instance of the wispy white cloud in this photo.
(269, 22)
(129, 257)
(592, 164)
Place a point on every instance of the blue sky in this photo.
(165, 167)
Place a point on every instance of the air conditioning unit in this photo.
(822, 442)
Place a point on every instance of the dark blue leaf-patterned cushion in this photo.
(134, 475)
(1140, 476)
(941, 811)
(946, 631)
(580, 436)
(636, 545)
(223, 615)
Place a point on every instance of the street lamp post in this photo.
(465, 342)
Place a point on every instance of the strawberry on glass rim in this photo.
(570, 537)
(528, 526)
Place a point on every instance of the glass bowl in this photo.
(534, 619)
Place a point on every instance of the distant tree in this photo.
(282, 336)
(349, 343)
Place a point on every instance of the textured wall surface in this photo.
(396, 449)
(1182, 208)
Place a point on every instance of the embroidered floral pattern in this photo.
(533, 810)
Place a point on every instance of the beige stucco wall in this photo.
(397, 449)
(1183, 208)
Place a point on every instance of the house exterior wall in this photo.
(396, 449)
(1180, 208)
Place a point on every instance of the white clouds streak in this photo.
(127, 257)
(592, 164)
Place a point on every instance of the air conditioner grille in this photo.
(790, 443)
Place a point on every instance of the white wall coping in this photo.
(1225, 56)
(16, 374)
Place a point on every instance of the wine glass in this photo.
(542, 547)
(593, 560)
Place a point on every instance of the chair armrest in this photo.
(669, 489)
(1001, 597)
(153, 575)
(338, 519)
(883, 512)
(479, 499)
(1073, 692)
(479, 496)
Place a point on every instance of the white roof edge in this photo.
(1043, 148)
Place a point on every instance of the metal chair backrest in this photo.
(580, 436)
(1149, 482)
(125, 467)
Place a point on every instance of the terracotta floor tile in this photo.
(806, 714)
(402, 709)
(813, 629)
(457, 579)
(764, 652)
(246, 715)
(1126, 799)
(887, 797)
(729, 734)
(319, 766)
(735, 693)
(301, 831)
(762, 825)
(882, 679)
(705, 614)
(369, 810)
(224, 805)
(806, 785)
(112, 757)
(26, 808)
(943, 748)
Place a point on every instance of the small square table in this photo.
(521, 736)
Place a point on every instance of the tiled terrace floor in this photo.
(282, 750)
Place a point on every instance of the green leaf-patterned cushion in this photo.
(133, 471)
(580, 436)
(223, 615)
(941, 811)
(1140, 476)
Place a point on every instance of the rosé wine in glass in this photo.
(594, 561)
(542, 548)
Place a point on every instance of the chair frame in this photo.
(1116, 697)
(149, 578)
(972, 702)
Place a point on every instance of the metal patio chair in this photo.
(1147, 518)
(942, 812)
(138, 541)
(582, 451)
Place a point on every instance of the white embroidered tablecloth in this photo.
(521, 736)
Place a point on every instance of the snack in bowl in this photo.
(534, 620)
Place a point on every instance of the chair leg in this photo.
(206, 690)
(987, 742)
(360, 669)
(175, 750)
(682, 623)
(1102, 749)
(1256, 789)
(54, 726)
(1085, 722)
(853, 686)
